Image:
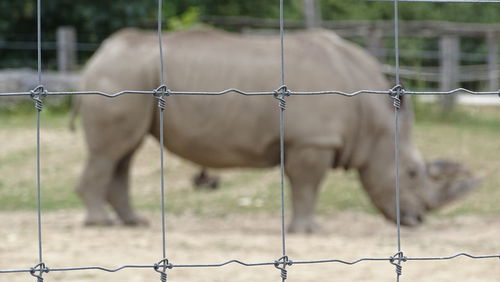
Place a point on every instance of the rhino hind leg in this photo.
(92, 189)
(119, 193)
(204, 180)
(305, 168)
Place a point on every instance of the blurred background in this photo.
(443, 46)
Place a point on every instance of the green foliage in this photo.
(364, 10)
(259, 8)
(235, 8)
(93, 20)
(96, 20)
(186, 20)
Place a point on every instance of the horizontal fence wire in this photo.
(256, 93)
(259, 264)
(40, 92)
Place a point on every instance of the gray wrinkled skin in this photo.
(322, 132)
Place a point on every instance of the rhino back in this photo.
(232, 130)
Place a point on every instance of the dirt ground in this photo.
(202, 238)
(255, 238)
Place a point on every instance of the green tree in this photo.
(96, 20)
(93, 20)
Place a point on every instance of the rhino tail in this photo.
(74, 111)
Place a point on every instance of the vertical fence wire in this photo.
(397, 105)
(39, 40)
(161, 106)
(160, 40)
(282, 42)
(39, 109)
(37, 95)
(282, 138)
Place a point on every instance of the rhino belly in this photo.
(224, 151)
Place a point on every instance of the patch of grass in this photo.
(258, 191)
(17, 161)
(342, 191)
(13, 158)
(469, 135)
(23, 196)
(23, 115)
(464, 117)
(240, 192)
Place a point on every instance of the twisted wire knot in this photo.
(160, 93)
(162, 103)
(38, 270)
(161, 268)
(163, 277)
(280, 95)
(397, 93)
(37, 94)
(281, 265)
(396, 261)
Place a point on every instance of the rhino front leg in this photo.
(96, 177)
(306, 167)
(119, 193)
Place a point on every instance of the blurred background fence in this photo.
(435, 54)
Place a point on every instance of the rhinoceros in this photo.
(231, 130)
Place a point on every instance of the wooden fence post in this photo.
(375, 43)
(66, 48)
(312, 13)
(449, 49)
(493, 71)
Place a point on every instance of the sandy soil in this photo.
(256, 238)
(202, 239)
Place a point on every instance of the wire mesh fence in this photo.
(282, 263)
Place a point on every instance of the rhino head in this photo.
(424, 186)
